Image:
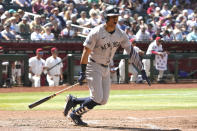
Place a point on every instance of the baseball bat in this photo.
(49, 97)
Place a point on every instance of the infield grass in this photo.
(152, 99)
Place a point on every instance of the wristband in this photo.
(83, 67)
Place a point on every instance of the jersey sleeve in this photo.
(134, 56)
(90, 41)
(30, 62)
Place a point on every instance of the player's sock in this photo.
(86, 106)
(80, 100)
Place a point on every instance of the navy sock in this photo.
(90, 103)
(80, 100)
(87, 105)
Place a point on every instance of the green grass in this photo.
(154, 99)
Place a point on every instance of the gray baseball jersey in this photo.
(103, 46)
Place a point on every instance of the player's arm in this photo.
(84, 62)
(84, 57)
(135, 59)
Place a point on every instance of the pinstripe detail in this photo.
(135, 59)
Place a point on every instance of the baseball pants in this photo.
(53, 80)
(99, 82)
(131, 69)
(146, 63)
(35, 80)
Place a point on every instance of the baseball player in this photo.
(154, 48)
(131, 68)
(99, 49)
(54, 70)
(36, 67)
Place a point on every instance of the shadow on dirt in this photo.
(129, 128)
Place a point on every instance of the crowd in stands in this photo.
(144, 20)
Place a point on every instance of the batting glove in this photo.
(81, 78)
(144, 77)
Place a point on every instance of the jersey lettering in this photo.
(108, 45)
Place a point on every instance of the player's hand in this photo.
(144, 77)
(81, 78)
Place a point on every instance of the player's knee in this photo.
(103, 102)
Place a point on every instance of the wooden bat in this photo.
(51, 96)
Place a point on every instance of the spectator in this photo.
(19, 15)
(68, 32)
(54, 70)
(11, 11)
(36, 22)
(134, 27)
(6, 15)
(165, 11)
(14, 26)
(37, 7)
(157, 34)
(83, 20)
(74, 19)
(47, 34)
(101, 17)
(55, 30)
(48, 6)
(177, 32)
(43, 20)
(121, 24)
(157, 12)
(21, 3)
(155, 48)
(36, 34)
(142, 34)
(55, 13)
(73, 9)
(150, 11)
(174, 11)
(167, 36)
(24, 28)
(193, 35)
(129, 33)
(36, 67)
(94, 21)
(94, 9)
(7, 34)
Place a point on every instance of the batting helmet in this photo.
(111, 11)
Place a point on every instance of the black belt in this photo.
(99, 64)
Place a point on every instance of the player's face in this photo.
(113, 20)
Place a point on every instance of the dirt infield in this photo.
(101, 120)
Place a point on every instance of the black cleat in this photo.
(77, 120)
(69, 104)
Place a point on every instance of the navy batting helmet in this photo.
(112, 11)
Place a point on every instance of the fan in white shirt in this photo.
(48, 35)
(83, 21)
(36, 35)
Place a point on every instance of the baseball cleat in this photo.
(69, 104)
(77, 120)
